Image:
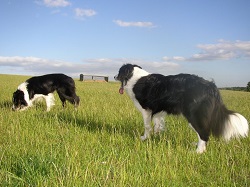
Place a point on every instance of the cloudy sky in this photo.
(209, 38)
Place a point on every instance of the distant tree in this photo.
(248, 87)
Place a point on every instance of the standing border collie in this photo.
(43, 87)
(199, 100)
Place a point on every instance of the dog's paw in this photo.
(201, 147)
(158, 130)
(143, 138)
(200, 151)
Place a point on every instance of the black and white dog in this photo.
(43, 87)
(199, 100)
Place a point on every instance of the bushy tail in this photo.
(228, 124)
(236, 126)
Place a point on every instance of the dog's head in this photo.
(125, 73)
(19, 102)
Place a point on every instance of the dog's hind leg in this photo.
(70, 95)
(159, 122)
(76, 101)
(62, 98)
(146, 114)
(201, 145)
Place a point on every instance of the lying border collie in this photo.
(43, 87)
(199, 100)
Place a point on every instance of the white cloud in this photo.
(101, 66)
(33, 64)
(178, 58)
(134, 24)
(109, 66)
(223, 50)
(82, 13)
(78, 12)
(56, 3)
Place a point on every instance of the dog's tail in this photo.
(236, 126)
(228, 124)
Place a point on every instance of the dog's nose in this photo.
(115, 77)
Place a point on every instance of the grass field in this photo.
(99, 144)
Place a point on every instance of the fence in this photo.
(93, 77)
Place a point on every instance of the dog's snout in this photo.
(14, 108)
(115, 77)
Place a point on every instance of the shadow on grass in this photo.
(128, 128)
(99, 125)
(92, 123)
(6, 104)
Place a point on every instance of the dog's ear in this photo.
(126, 72)
(18, 93)
(14, 94)
(17, 98)
(137, 66)
(128, 69)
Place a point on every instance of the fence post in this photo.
(81, 77)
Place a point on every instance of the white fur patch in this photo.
(201, 146)
(146, 114)
(236, 126)
(159, 122)
(137, 74)
(23, 87)
(50, 100)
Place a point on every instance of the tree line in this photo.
(246, 89)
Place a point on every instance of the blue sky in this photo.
(209, 38)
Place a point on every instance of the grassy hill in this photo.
(99, 144)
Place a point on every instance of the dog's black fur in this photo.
(195, 98)
(44, 85)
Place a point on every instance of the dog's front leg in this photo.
(147, 124)
(50, 101)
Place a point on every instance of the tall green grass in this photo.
(99, 144)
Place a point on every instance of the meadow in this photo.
(99, 144)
